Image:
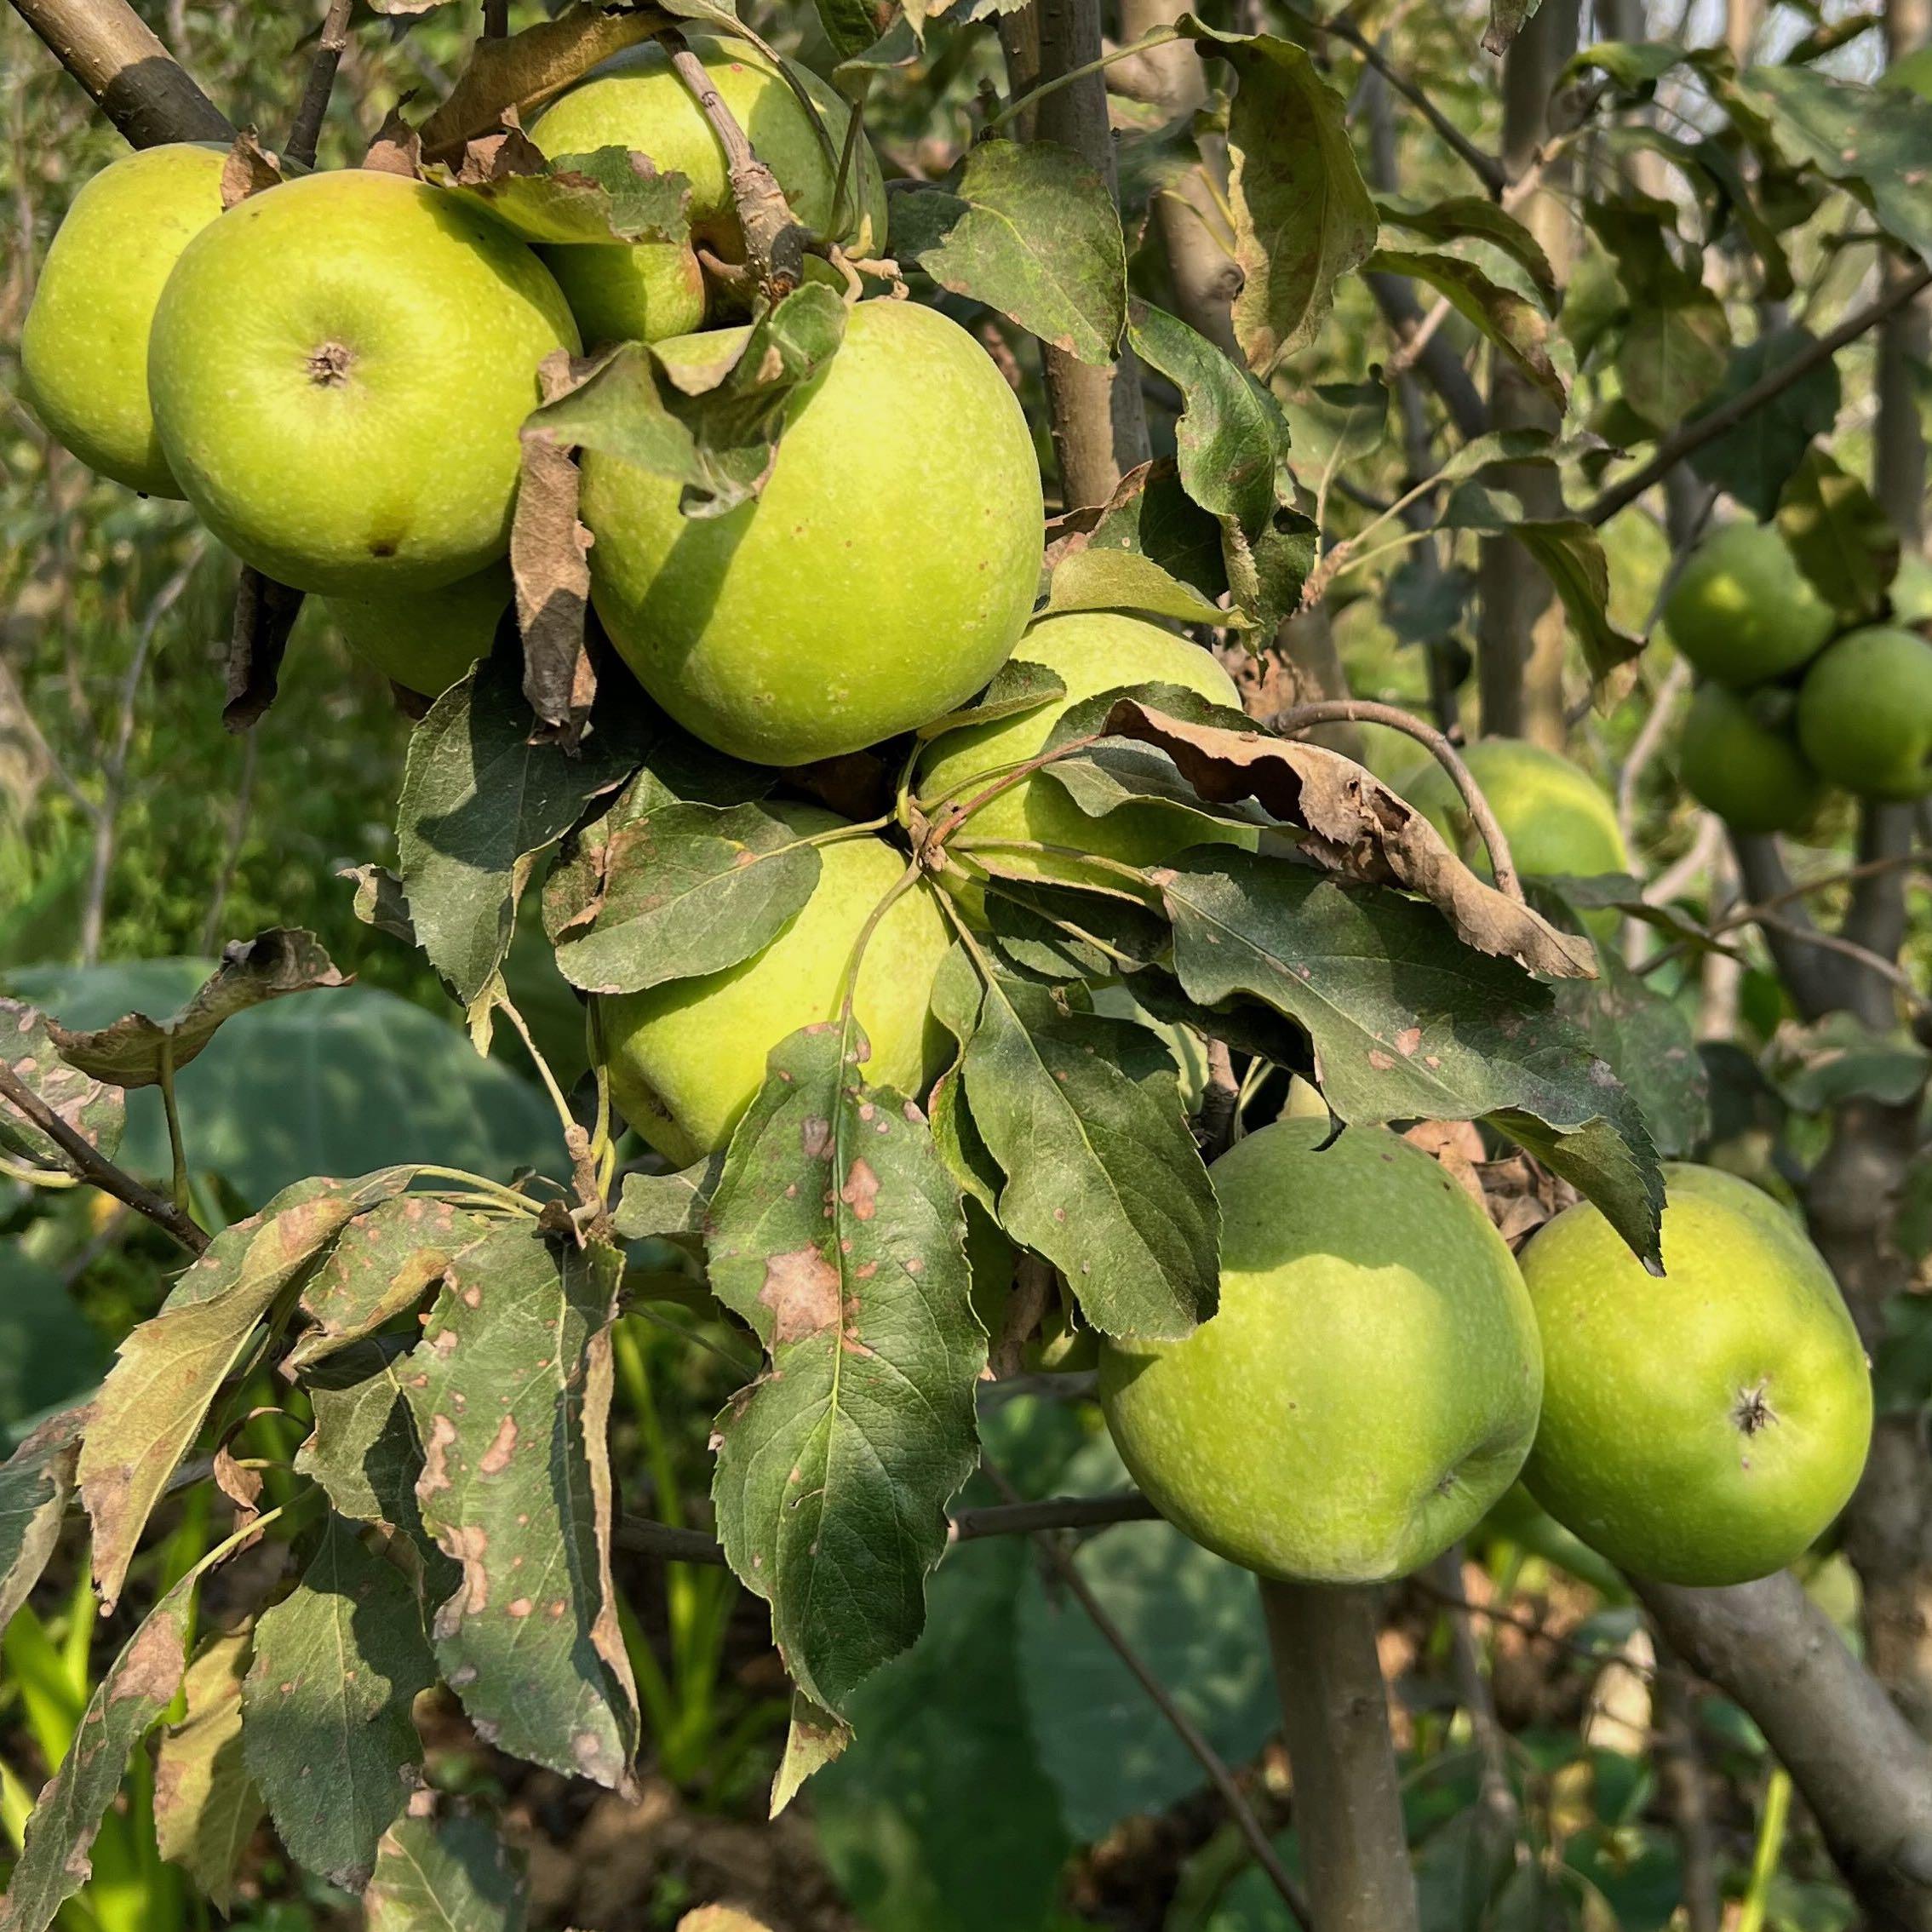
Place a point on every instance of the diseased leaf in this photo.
(379, 901)
(480, 800)
(838, 1234)
(610, 195)
(1407, 1025)
(1647, 1039)
(1149, 515)
(1843, 541)
(454, 1875)
(132, 1051)
(814, 1739)
(152, 1404)
(667, 1204)
(141, 1683)
(1084, 1116)
(1673, 356)
(1516, 325)
(658, 889)
(364, 1449)
(1755, 461)
(37, 1482)
(327, 1731)
(550, 573)
(1474, 217)
(206, 1807)
(1507, 19)
(96, 1112)
(1124, 580)
(1017, 686)
(1030, 229)
(510, 1388)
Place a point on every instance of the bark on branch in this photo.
(106, 46)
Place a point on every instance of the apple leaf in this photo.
(510, 1388)
(1030, 229)
(1516, 325)
(1408, 1024)
(838, 1234)
(36, 1483)
(1018, 686)
(95, 1111)
(364, 1449)
(1507, 19)
(1843, 541)
(659, 889)
(1302, 217)
(1473, 217)
(1061, 933)
(480, 801)
(206, 1807)
(1757, 460)
(1083, 1116)
(443, 1875)
(957, 997)
(610, 196)
(136, 1688)
(849, 26)
(713, 427)
(152, 1405)
(667, 1204)
(1149, 515)
(133, 1051)
(1673, 356)
(1092, 579)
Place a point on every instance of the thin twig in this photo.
(1220, 1105)
(1363, 711)
(94, 1167)
(306, 136)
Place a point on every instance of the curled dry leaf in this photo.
(550, 562)
(249, 169)
(1356, 827)
(265, 618)
(398, 147)
(1518, 1194)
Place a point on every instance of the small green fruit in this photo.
(1559, 821)
(1090, 651)
(881, 578)
(427, 640)
(1865, 713)
(340, 368)
(654, 290)
(1704, 1427)
(1369, 1385)
(687, 1058)
(83, 345)
(1750, 773)
(1742, 611)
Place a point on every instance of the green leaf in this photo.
(1302, 217)
(667, 1204)
(611, 196)
(1017, 686)
(851, 26)
(1841, 1059)
(206, 1807)
(454, 1875)
(837, 1235)
(1102, 1175)
(137, 1688)
(1572, 558)
(1409, 1024)
(1030, 229)
(363, 1448)
(658, 889)
(1647, 1039)
(325, 1711)
(96, 1112)
(1124, 580)
(1515, 324)
(152, 1404)
(713, 426)
(1843, 541)
(1474, 217)
(480, 800)
(1507, 19)
(383, 1262)
(1757, 460)
(132, 1051)
(1673, 356)
(510, 1388)
(1152, 515)
(957, 996)
(1636, 66)
(37, 1482)
(1059, 933)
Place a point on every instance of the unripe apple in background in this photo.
(426, 640)
(83, 345)
(1865, 713)
(1746, 770)
(883, 576)
(1704, 1427)
(340, 368)
(654, 289)
(1090, 651)
(1742, 611)
(1369, 1384)
(687, 1058)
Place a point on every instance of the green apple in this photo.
(340, 368)
(1742, 611)
(1865, 713)
(881, 578)
(1748, 771)
(637, 101)
(426, 640)
(83, 345)
(1090, 651)
(687, 1058)
(1912, 70)
(1704, 1427)
(1559, 821)
(1369, 1384)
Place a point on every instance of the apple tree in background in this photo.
(954, 871)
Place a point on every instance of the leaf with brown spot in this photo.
(96, 1112)
(509, 1388)
(835, 1469)
(611, 196)
(36, 1483)
(133, 1051)
(326, 1725)
(449, 1875)
(815, 1738)
(206, 1807)
(138, 1686)
(550, 564)
(667, 1204)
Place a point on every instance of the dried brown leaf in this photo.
(265, 616)
(1356, 828)
(549, 560)
(398, 147)
(249, 169)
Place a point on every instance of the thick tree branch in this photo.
(306, 136)
(106, 46)
(1816, 981)
(1866, 1776)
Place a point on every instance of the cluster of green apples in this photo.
(1784, 708)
